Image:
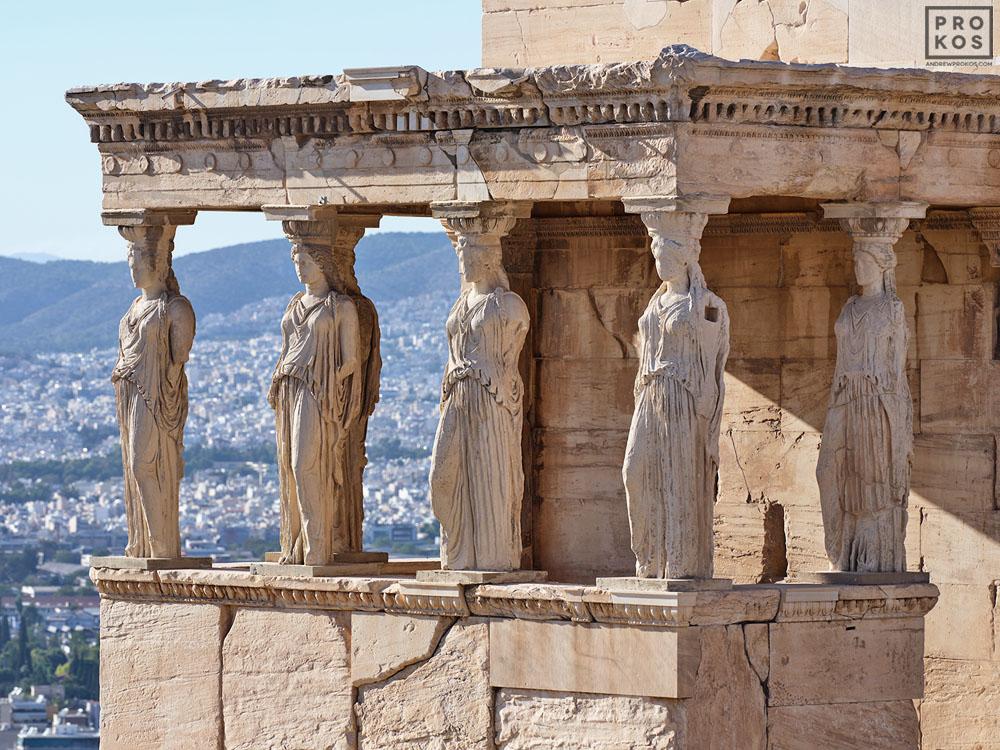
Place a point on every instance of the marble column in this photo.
(323, 503)
(154, 340)
(477, 477)
(863, 468)
(672, 454)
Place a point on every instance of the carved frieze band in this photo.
(680, 85)
(554, 602)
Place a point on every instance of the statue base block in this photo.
(340, 557)
(844, 578)
(654, 585)
(473, 577)
(377, 565)
(121, 562)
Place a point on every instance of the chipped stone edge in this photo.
(780, 602)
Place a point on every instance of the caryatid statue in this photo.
(863, 469)
(672, 453)
(477, 478)
(316, 393)
(151, 390)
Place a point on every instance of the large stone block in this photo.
(959, 397)
(597, 267)
(588, 323)
(756, 321)
(963, 549)
(160, 673)
(384, 643)
(959, 709)
(961, 624)
(727, 686)
(954, 473)
(585, 394)
(805, 393)
(753, 392)
(954, 321)
(750, 542)
(846, 662)
(741, 260)
(886, 725)
(598, 658)
(577, 540)
(817, 259)
(809, 315)
(286, 680)
(442, 702)
(535, 719)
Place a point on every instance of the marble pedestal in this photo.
(516, 665)
(365, 564)
(473, 577)
(121, 562)
(844, 578)
(632, 583)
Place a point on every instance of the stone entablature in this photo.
(407, 138)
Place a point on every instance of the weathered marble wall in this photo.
(881, 33)
(784, 292)
(226, 659)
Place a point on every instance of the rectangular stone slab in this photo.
(473, 577)
(842, 578)
(598, 658)
(150, 563)
(846, 662)
(664, 584)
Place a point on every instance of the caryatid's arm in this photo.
(348, 378)
(182, 326)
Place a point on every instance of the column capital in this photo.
(676, 216)
(148, 217)
(689, 204)
(487, 218)
(876, 220)
(321, 224)
(986, 221)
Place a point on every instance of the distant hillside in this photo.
(68, 305)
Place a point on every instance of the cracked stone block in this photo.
(845, 662)
(535, 719)
(384, 643)
(594, 658)
(286, 680)
(887, 725)
(443, 702)
(726, 686)
(954, 473)
(160, 671)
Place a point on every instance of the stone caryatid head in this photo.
(150, 257)
(676, 246)
(477, 243)
(874, 256)
(313, 253)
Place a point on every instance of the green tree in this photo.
(4, 631)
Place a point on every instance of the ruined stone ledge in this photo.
(782, 602)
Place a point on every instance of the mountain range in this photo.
(66, 305)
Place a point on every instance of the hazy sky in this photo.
(50, 180)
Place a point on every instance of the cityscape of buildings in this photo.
(60, 467)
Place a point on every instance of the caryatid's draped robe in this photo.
(477, 479)
(864, 459)
(316, 400)
(672, 454)
(154, 338)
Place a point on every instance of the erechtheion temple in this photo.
(717, 460)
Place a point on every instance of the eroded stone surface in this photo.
(383, 643)
(536, 719)
(891, 725)
(160, 672)
(286, 680)
(442, 702)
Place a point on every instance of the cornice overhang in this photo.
(681, 85)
